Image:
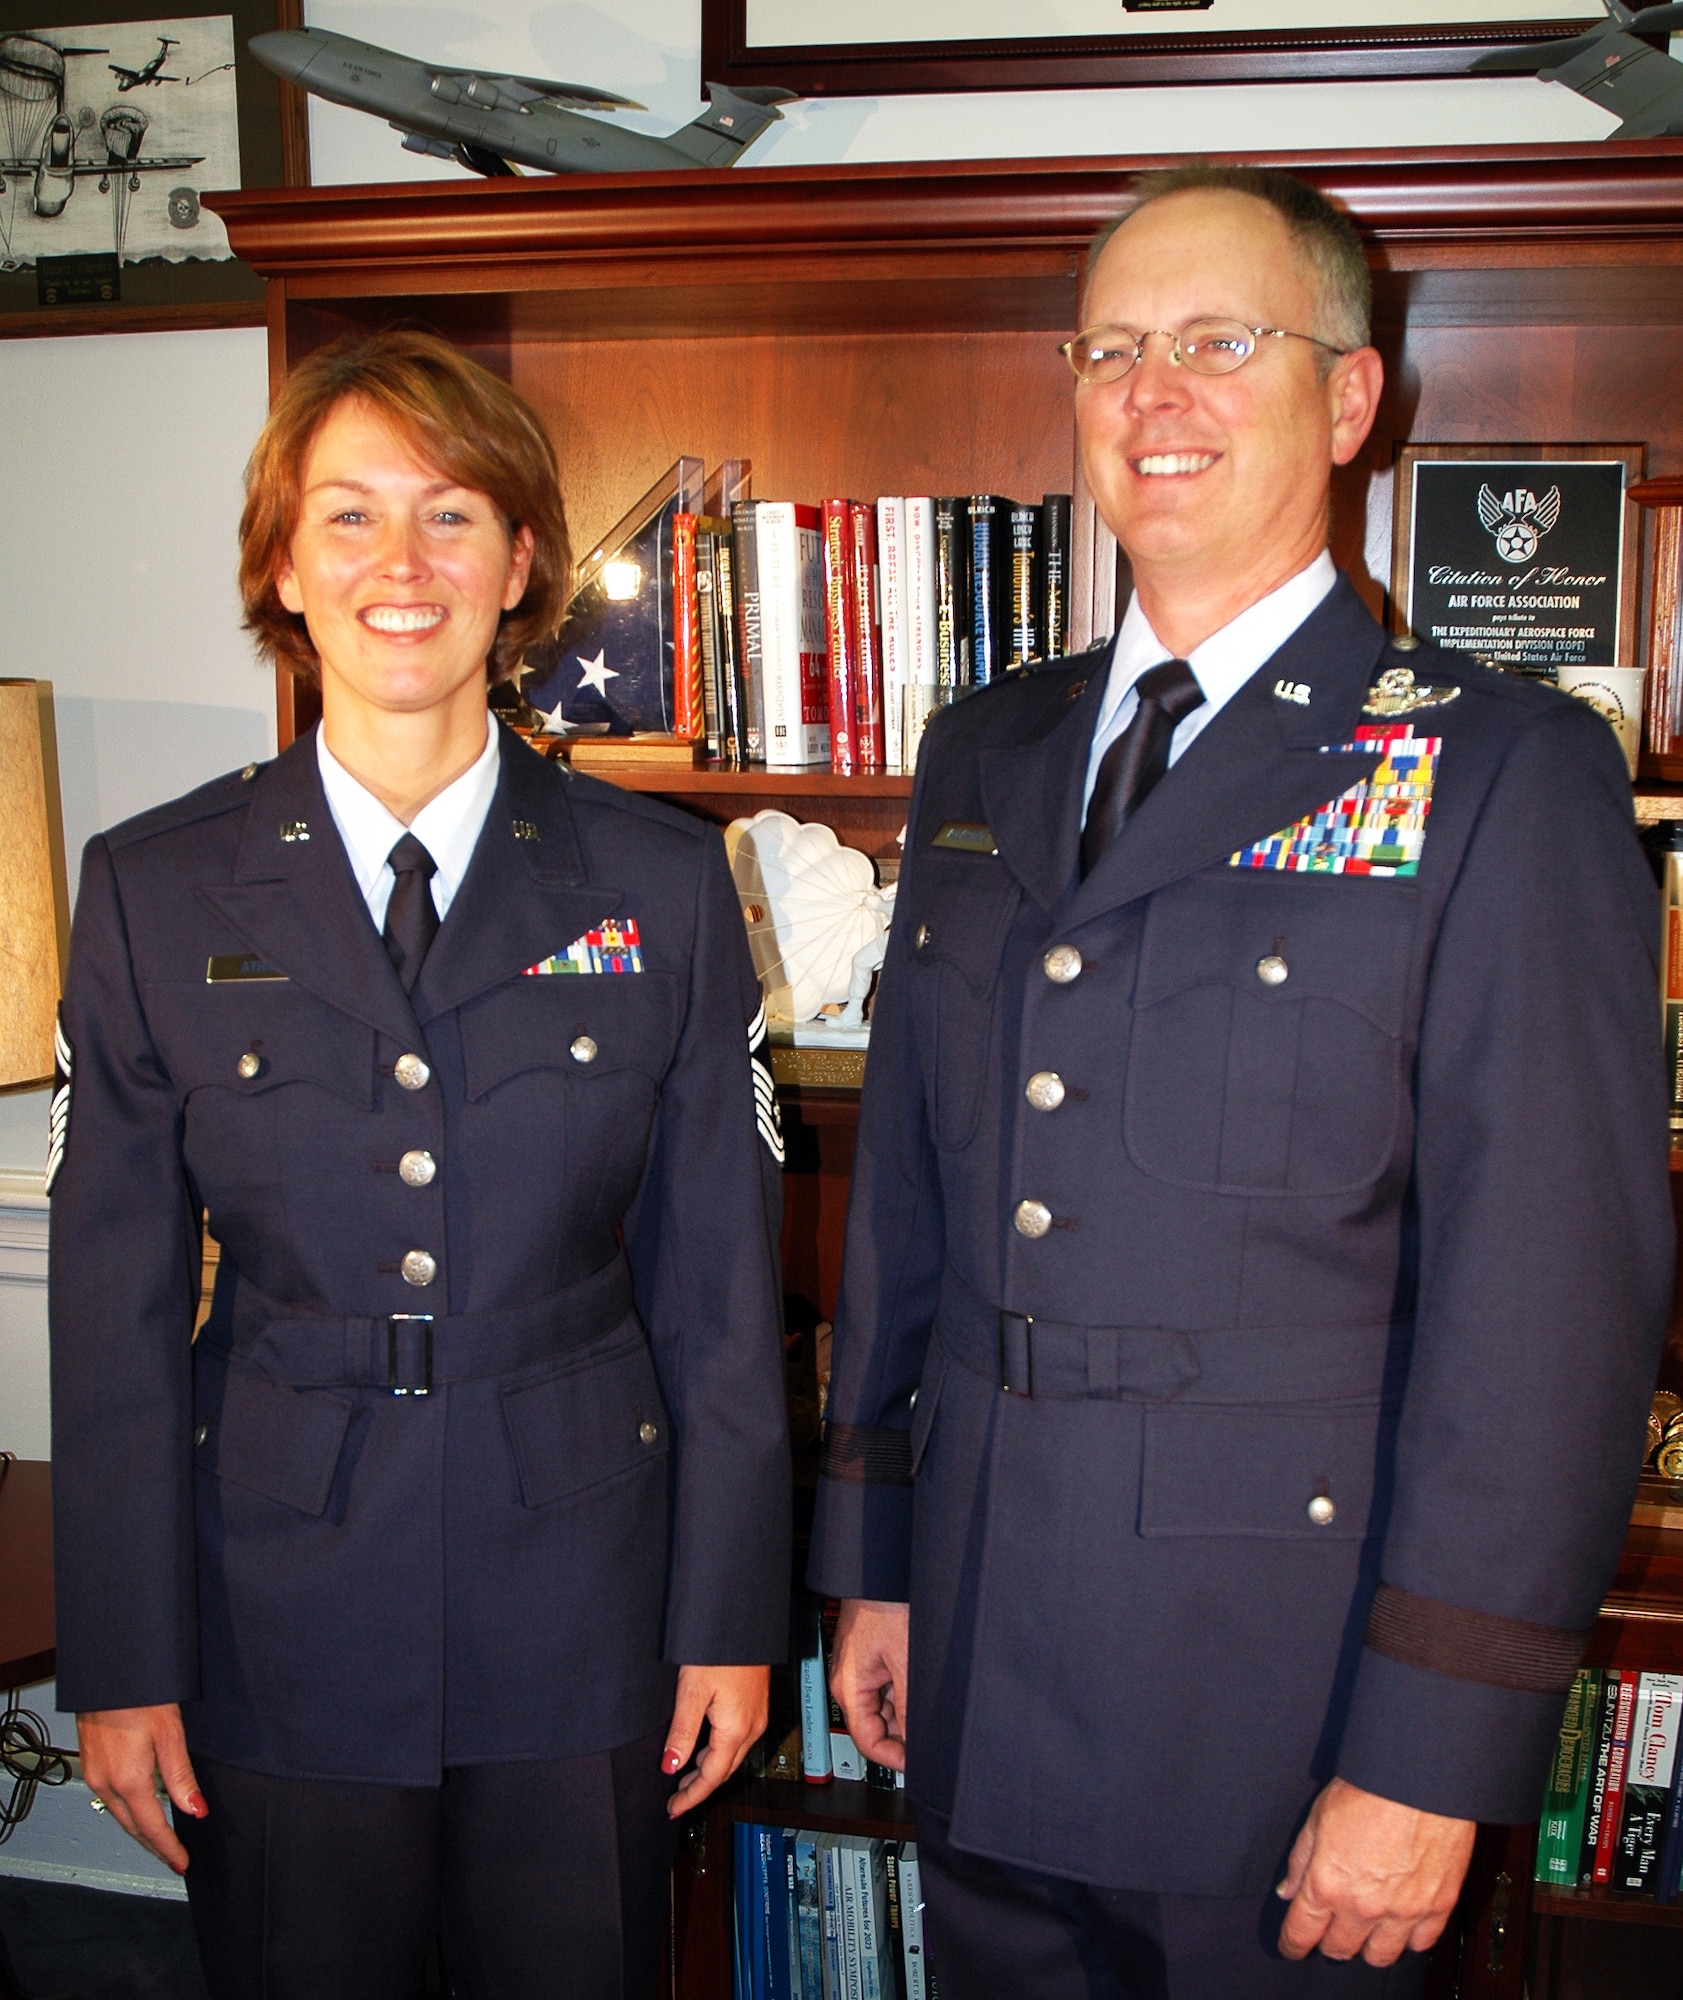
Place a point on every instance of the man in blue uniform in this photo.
(1260, 1243)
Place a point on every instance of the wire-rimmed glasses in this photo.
(1206, 346)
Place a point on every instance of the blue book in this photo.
(742, 1876)
(809, 1915)
(774, 1928)
(816, 1766)
(791, 1919)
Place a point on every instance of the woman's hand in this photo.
(124, 1753)
(734, 1702)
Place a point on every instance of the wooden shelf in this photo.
(1599, 1907)
(842, 1806)
(712, 782)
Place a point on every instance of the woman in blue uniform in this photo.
(420, 1576)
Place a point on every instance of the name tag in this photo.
(616, 947)
(965, 837)
(239, 965)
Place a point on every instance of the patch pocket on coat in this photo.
(278, 1441)
(1298, 1473)
(580, 1426)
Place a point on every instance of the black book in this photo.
(1054, 575)
(952, 592)
(745, 529)
(1025, 585)
(709, 634)
(733, 686)
(1598, 1778)
(990, 587)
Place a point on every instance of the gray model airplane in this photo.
(489, 121)
(1612, 67)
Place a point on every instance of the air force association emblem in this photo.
(1519, 520)
(1395, 693)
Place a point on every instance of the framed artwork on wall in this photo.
(116, 117)
(876, 47)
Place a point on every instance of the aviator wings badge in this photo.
(1395, 693)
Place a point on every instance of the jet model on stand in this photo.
(492, 122)
(1612, 67)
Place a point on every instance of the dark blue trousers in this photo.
(994, 1932)
(541, 1881)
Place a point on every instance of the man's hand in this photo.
(733, 1701)
(1369, 1875)
(868, 1676)
(124, 1753)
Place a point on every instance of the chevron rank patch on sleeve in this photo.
(766, 1114)
(58, 1113)
(1378, 827)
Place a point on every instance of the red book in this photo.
(867, 670)
(841, 634)
(1613, 1803)
(689, 720)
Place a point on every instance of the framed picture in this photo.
(1529, 557)
(873, 47)
(115, 116)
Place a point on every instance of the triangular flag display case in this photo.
(893, 329)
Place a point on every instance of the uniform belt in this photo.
(1026, 1355)
(412, 1353)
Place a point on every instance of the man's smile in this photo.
(1173, 464)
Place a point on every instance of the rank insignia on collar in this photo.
(1294, 692)
(616, 947)
(1395, 693)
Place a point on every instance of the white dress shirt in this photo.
(447, 827)
(1221, 665)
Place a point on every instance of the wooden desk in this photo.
(26, 1565)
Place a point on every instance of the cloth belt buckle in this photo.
(1016, 1353)
(409, 1354)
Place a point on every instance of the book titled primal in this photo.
(1649, 1769)
(610, 670)
(790, 549)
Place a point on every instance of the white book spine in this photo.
(872, 1867)
(853, 1974)
(829, 1897)
(921, 666)
(911, 1922)
(891, 566)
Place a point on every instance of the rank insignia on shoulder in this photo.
(1395, 693)
(616, 947)
(965, 837)
(224, 967)
(58, 1111)
(1292, 691)
(1378, 827)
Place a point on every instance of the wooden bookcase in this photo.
(893, 329)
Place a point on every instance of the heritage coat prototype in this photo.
(354, 1542)
(1279, 1259)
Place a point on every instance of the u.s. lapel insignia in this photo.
(1293, 691)
(1378, 827)
(616, 947)
(1395, 693)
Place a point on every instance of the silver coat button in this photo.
(249, 1064)
(417, 1167)
(921, 936)
(1321, 1511)
(1033, 1218)
(1062, 963)
(201, 1433)
(648, 1432)
(1272, 970)
(583, 1050)
(1045, 1090)
(420, 1267)
(412, 1073)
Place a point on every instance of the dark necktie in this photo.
(411, 915)
(1139, 756)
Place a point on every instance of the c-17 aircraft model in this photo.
(1613, 68)
(489, 121)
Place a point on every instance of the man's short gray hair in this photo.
(1322, 235)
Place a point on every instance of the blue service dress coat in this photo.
(485, 1430)
(1279, 1259)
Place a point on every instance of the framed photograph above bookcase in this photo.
(880, 46)
(864, 330)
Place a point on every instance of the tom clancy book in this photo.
(990, 586)
(1025, 585)
(1055, 511)
(1648, 1775)
(610, 669)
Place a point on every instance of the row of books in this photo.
(827, 1916)
(797, 636)
(1613, 1813)
(827, 1749)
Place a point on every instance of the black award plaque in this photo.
(1527, 557)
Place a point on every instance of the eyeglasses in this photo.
(1206, 346)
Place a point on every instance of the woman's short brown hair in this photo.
(451, 414)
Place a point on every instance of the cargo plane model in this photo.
(1614, 67)
(494, 123)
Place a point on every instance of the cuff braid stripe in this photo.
(1473, 1645)
(867, 1456)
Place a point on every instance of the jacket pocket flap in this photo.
(1238, 1469)
(281, 1442)
(958, 914)
(581, 1425)
(587, 1025)
(279, 1033)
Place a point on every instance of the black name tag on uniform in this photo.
(225, 967)
(965, 837)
